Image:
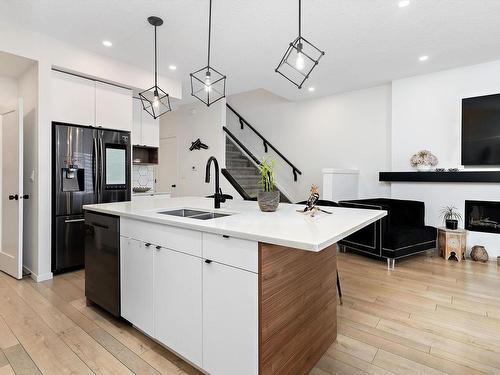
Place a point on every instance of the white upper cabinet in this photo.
(136, 122)
(146, 130)
(72, 99)
(82, 101)
(150, 130)
(113, 107)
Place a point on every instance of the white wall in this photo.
(426, 114)
(188, 123)
(348, 131)
(8, 93)
(49, 52)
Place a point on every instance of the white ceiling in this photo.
(367, 42)
(13, 66)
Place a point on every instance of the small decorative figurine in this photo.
(311, 203)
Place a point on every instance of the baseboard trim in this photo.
(42, 277)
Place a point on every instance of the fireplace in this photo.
(482, 216)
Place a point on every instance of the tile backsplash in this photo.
(143, 176)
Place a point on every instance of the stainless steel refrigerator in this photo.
(89, 165)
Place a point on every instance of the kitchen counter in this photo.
(253, 293)
(285, 227)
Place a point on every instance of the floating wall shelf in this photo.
(464, 176)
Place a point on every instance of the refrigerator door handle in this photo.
(94, 172)
(101, 160)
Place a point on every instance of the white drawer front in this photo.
(185, 240)
(231, 251)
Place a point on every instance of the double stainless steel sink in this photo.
(194, 214)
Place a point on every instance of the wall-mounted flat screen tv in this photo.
(481, 130)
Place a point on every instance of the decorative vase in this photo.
(451, 224)
(479, 253)
(424, 168)
(268, 200)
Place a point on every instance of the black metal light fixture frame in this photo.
(310, 53)
(208, 84)
(154, 100)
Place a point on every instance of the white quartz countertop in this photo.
(285, 227)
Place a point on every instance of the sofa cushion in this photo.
(401, 236)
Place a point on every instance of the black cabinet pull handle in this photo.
(225, 236)
(25, 196)
(13, 197)
(147, 244)
(158, 247)
(208, 261)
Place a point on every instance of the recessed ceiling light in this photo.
(403, 3)
(311, 89)
(107, 43)
(423, 58)
(172, 67)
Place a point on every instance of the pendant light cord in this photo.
(156, 71)
(209, 30)
(300, 18)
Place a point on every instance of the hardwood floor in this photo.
(428, 316)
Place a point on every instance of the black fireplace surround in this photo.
(482, 216)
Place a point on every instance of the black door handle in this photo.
(208, 261)
(13, 197)
(25, 196)
(147, 244)
(158, 247)
(174, 185)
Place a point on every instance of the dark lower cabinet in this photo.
(69, 252)
(102, 261)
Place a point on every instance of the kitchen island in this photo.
(232, 290)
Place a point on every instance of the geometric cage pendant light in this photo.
(207, 83)
(154, 100)
(300, 58)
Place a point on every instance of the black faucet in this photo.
(218, 196)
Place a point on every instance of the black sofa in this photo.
(399, 234)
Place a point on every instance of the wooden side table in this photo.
(452, 243)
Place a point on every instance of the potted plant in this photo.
(269, 197)
(423, 160)
(451, 217)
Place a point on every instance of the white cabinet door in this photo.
(136, 283)
(72, 99)
(150, 130)
(230, 320)
(178, 303)
(136, 122)
(113, 107)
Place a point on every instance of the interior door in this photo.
(166, 180)
(11, 249)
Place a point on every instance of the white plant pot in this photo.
(424, 168)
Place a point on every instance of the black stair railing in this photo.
(265, 142)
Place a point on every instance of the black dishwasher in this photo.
(102, 261)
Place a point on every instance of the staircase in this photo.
(243, 172)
